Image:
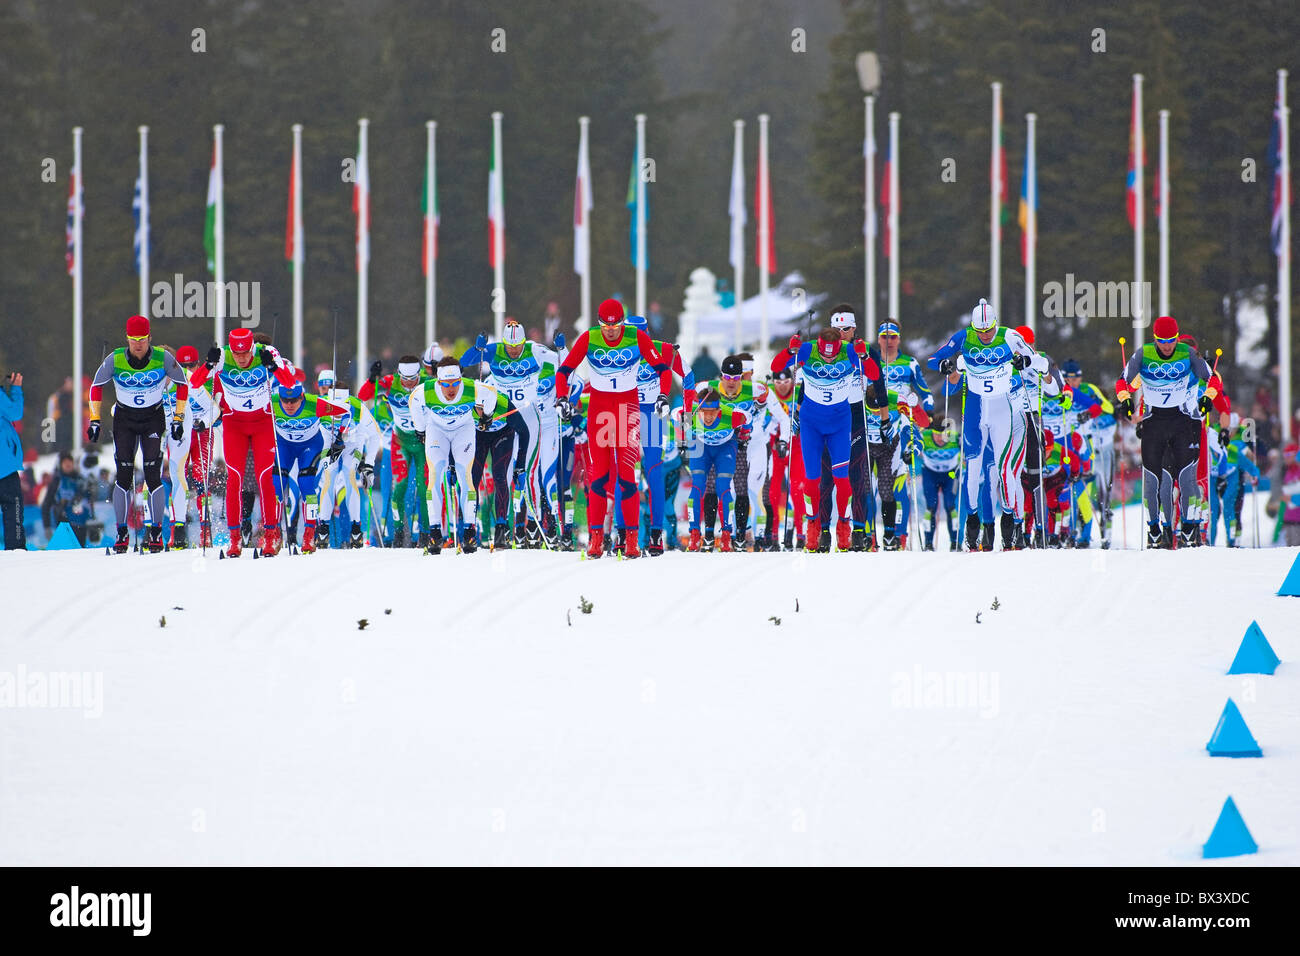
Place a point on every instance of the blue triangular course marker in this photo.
(1255, 655)
(1291, 586)
(1231, 737)
(63, 539)
(1230, 836)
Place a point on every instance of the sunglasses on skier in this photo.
(732, 378)
(137, 338)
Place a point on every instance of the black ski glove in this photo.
(178, 429)
(1126, 406)
(214, 356)
(92, 431)
(375, 368)
(336, 449)
(1020, 361)
(947, 366)
(267, 358)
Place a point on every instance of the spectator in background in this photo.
(656, 321)
(67, 499)
(30, 486)
(11, 462)
(704, 367)
(551, 322)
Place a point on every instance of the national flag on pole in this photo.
(736, 209)
(496, 206)
(361, 206)
(429, 249)
(1028, 204)
(293, 229)
(763, 194)
(1135, 163)
(868, 208)
(210, 220)
(74, 200)
(1000, 171)
(582, 211)
(887, 213)
(1275, 160)
(631, 205)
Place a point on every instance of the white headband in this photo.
(747, 365)
(448, 373)
(843, 320)
(408, 369)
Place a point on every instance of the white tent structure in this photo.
(787, 307)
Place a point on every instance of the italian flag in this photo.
(210, 220)
(496, 205)
(429, 250)
(293, 228)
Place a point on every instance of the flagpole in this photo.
(584, 302)
(430, 261)
(893, 215)
(219, 239)
(869, 233)
(498, 235)
(142, 262)
(77, 399)
(995, 212)
(640, 214)
(738, 242)
(363, 251)
(1284, 264)
(764, 235)
(1031, 222)
(1140, 321)
(298, 252)
(1163, 212)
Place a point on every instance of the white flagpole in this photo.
(219, 234)
(144, 221)
(430, 262)
(1163, 186)
(1031, 222)
(298, 251)
(738, 226)
(499, 236)
(363, 251)
(869, 232)
(1140, 320)
(995, 211)
(764, 235)
(78, 211)
(584, 320)
(1284, 264)
(640, 214)
(893, 215)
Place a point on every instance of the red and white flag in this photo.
(582, 210)
(74, 199)
(763, 206)
(496, 207)
(361, 204)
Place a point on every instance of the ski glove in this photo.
(564, 408)
(480, 342)
(375, 368)
(420, 435)
(1126, 406)
(795, 342)
(178, 429)
(559, 342)
(336, 449)
(1205, 404)
(782, 448)
(483, 422)
(92, 431)
(947, 366)
(366, 475)
(214, 356)
(1020, 361)
(661, 406)
(267, 358)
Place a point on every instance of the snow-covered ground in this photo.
(487, 720)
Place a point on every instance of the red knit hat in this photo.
(610, 312)
(241, 340)
(1165, 327)
(137, 325)
(1026, 333)
(187, 355)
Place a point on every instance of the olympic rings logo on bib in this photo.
(515, 370)
(244, 378)
(146, 379)
(988, 356)
(612, 359)
(295, 424)
(1166, 371)
(827, 371)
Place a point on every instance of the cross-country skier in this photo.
(241, 389)
(832, 373)
(1095, 418)
(1167, 371)
(1037, 387)
(300, 443)
(711, 440)
(139, 373)
(939, 454)
(199, 414)
(787, 465)
(446, 410)
(993, 417)
(902, 372)
(354, 470)
(394, 392)
(614, 421)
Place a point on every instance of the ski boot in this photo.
(858, 540)
(902, 541)
(421, 542)
(550, 531)
(843, 535)
(927, 543)
(532, 535)
(270, 542)
(656, 546)
(889, 540)
(566, 539)
(800, 543)
(813, 537)
(153, 540)
(520, 538)
(291, 540)
(1155, 537)
(435, 541)
(972, 532)
(400, 536)
(179, 535)
(1189, 536)
(356, 539)
(322, 534)
(236, 546)
(709, 541)
(308, 539)
(724, 540)
(123, 542)
(245, 533)
(500, 536)
(789, 539)
(596, 543)
(469, 539)
(694, 544)
(205, 534)
(630, 546)
(1008, 529)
